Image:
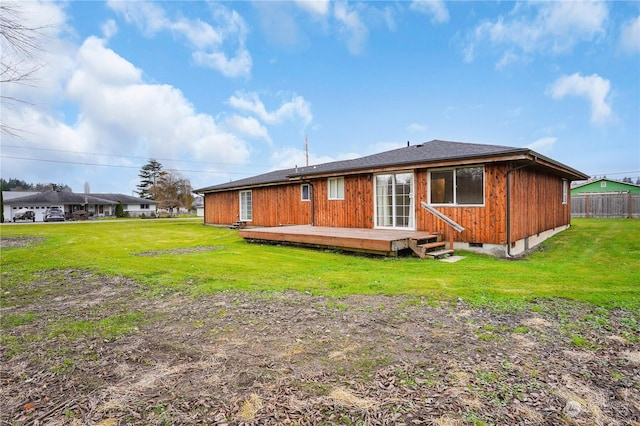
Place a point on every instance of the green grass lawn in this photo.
(596, 261)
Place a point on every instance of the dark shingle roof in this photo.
(263, 179)
(427, 153)
(125, 199)
(59, 197)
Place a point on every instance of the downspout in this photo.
(509, 201)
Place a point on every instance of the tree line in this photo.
(13, 184)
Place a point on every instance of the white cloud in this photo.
(109, 29)
(543, 145)
(436, 8)
(49, 63)
(148, 17)
(229, 67)
(592, 87)
(297, 107)
(539, 27)
(352, 27)
(102, 65)
(630, 35)
(281, 25)
(211, 43)
(121, 112)
(416, 128)
(316, 7)
(248, 126)
(507, 59)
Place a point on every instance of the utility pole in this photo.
(306, 148)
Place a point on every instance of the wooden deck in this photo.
(377, 241)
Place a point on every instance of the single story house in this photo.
(198, 206)
(98, 205)
(133, 206)
(489, 198)
(605, 186)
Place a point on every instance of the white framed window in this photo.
(565, 191)
(463, 186)
(603, 184)
(305, 192)
(336, 188)
(246, 206)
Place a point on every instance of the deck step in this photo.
(238, 225)
(439, 253)
(424, 247)
(425, 240)
(429, 246)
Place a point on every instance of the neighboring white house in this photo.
(198, 205)
(133, 206)
(10, 195)
(96, 205)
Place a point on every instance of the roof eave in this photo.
(227, 187)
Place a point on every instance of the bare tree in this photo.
(20, 47)
(172, 190)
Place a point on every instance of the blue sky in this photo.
(224, 90)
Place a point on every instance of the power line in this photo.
(176, 160)
(615, 173)
(128, 156)
(113, 165)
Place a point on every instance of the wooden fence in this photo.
(606, 205)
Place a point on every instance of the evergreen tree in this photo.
(149, 175)
(15, 185)
(119, 209)
(20, 185)
(44, 187)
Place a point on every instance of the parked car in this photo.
(54, 214)
(24, 214)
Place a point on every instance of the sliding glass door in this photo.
(394, 201)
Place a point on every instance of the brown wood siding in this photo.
(221, 208)
(536, 203)
(483, 224)
(355, 211)
(280, 205)
(272, 206)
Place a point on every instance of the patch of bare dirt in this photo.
(178, 251)
(295, 358)
(19, 242)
